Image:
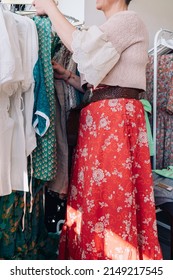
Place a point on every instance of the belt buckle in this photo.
(87, 96)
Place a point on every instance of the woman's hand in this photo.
(61, 25)
(43, 6)
(69, 77)
(60, 72)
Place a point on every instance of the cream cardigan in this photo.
(116, 53)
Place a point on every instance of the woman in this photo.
(110, 212)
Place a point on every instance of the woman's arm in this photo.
(69, 77)
(61, 25)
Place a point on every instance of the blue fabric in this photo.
(41, 114)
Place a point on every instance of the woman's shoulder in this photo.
(125, 16)
(129, 20)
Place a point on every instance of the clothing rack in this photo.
(17, 2)
(19, 6)
(163, 43)
(71, 19)
(74, 21)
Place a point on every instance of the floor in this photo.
(57, 212)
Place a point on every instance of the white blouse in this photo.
(17, 136)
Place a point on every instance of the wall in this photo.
(74, 8)
(92, 16)
(155, 13)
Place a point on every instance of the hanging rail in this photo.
(17, 2)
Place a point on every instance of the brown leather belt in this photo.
(110, 92)
(93, 95)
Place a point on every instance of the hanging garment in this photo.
(23, 39)
(44, 156)
(64, 57)
(18, 172)
(34, 243)
(41, 111)
(110, 208)
(29, 51)
(164, 129)
(66, 98)
(8, 88)
(11, 64)
(61, 182)
(7, 68)
(6, 132)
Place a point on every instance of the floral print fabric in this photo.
(34, 243)
(110, 211)
(164, 125)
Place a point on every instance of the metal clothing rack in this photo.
(163, 43)
(71, 19)
(74, 21)
(19, 6)
(17, 2)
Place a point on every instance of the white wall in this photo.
(84, 10)
(92, 16)
(155, 13)
(74, 8)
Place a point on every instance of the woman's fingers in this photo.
(58, 68)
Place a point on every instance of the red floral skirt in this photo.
(111, 211)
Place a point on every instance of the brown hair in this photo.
(127, 2)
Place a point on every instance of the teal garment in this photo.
(34, 243)
(41, 111)
(44, 157)
(167, 172)
(147, 109)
